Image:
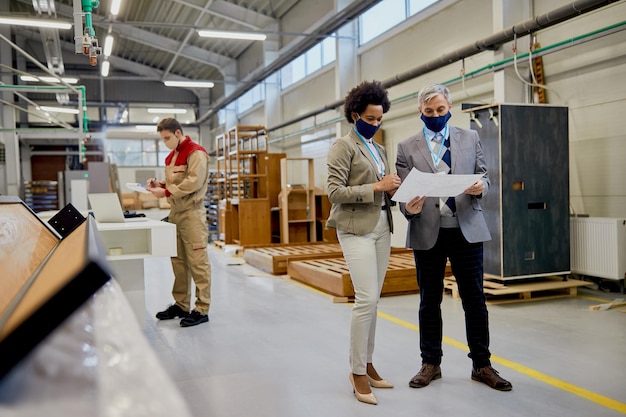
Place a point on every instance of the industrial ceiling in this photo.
(157, 40)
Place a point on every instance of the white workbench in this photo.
(138, 241)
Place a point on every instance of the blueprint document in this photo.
(419, 183)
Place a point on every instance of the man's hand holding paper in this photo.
(424, 184)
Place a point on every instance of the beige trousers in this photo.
(192, 260)
(367, 257)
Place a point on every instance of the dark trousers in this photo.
(466, 260)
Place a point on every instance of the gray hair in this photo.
(431, 90)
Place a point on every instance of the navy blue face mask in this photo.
(436, 124)
(365, 129)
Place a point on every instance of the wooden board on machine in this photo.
(546, 288)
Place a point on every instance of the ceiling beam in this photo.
(328, 27)
(156, 41)
(233, 13)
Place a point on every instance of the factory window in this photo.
(136, 152)
(253, 96)
(306, 64)
(387, 14)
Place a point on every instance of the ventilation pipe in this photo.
(489, 43)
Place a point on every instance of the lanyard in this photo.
(379, 163)
(437, 157)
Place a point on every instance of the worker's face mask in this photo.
(436, 124)
(171, 140)
(365, 129)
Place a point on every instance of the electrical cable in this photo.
(534, 83)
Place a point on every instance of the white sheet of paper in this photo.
(419, 183)
(135, 186)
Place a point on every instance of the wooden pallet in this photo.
(547, 288)
(331, 275)
(274, 258)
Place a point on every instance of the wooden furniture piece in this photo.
(247, 183)
(297, 200)
(514, 292)
(274, 259)
(224, 217)
(211, 202)
(322, 212)
(527, 204)
(331, 275)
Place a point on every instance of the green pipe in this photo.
(536, 52)
(88, 6)
(34, 88)
(486, 68)
(83, 103)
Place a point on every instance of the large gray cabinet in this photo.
(527, 206)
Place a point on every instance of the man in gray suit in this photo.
(450, 228)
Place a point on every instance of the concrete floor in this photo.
(274, 347)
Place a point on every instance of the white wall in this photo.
(588, 78)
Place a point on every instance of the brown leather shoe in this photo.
(490, 376)
(426, 374)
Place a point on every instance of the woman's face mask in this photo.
(365, 129)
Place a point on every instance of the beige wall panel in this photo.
(310, 95)
(413, 45)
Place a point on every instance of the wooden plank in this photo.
(548, 284)
(274, 258)
(331, 275)
(618, 302)
(550, 287)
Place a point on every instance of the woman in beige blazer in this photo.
(359, 187)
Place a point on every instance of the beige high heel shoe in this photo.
(365, 398)
(383, 383)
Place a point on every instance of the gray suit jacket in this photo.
(467, 157)
(352, 173)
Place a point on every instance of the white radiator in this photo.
(598, 247)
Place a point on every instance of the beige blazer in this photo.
(352, 172)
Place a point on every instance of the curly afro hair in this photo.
(368, 92)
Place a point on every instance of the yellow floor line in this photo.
(557, 383)
(586, 297)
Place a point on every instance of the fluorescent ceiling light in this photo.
(232, 35)
(59, 109)
(104, 71)
(198, 84)
(115, 7)
(40, 23)
(48, 79)
(108, 45)
(167, 110)
(152, 128)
